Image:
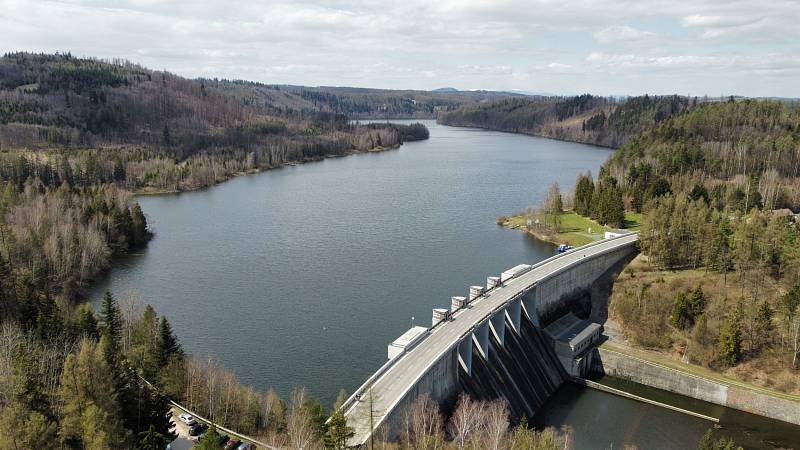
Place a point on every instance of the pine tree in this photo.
(681, 315)
(763, 328)
(701, 330)
(152, 440)
(584, 191)
(85, 324)
(209, 441)
(167, 344)
(730, 339)
(139, 232)
(696, 302)
(719, 256)
(112, 322)
(119, 170)
(337, 432)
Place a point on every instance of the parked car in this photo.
(231, 445)
(223, 439)
(246, 446)
(197, 429)
(187, 418)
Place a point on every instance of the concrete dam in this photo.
(518, 338)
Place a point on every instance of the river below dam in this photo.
(301, 276)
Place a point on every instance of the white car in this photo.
(188, 419)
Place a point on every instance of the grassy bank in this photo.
(576, 230)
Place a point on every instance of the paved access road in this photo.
(391, 386)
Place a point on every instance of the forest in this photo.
(718, 282)
(609, 122)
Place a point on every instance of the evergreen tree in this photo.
(699, 192)
(584, 191)
(730, 339)
(48, 319)
(160, 414)
(209, 441)
(681, 315)
(139, 232)
(763, 324)
(719, 255)
(166, 136)
(85, 324)
(697, 302)
(119, 170)
(608, 206)
(701, 330)
(167, 344)
(152, 440)
(337, 432)
(112, 324)
(709, 443)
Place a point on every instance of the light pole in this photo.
(412, 321)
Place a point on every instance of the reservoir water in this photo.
(302, 275)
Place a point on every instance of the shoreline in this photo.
(544, 237)
(531, 133)
(257, 170)
(575, 230)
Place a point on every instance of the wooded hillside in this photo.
(584, 118)
(148, 130)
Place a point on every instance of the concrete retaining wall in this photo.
(654, 375)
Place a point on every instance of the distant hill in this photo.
(367, 103)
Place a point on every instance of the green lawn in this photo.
(577, 230)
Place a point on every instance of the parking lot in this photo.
(184, 441)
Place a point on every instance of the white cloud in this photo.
(621, 33)
(535, 45)
(770, 63)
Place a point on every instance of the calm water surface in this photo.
(303, 275)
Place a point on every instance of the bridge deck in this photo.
(390, 387)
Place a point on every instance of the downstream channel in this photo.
(303, 275)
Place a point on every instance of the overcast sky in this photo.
(697, 47)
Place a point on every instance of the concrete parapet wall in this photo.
(637, 370)
(440, 382)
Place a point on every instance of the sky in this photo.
(625, 47)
